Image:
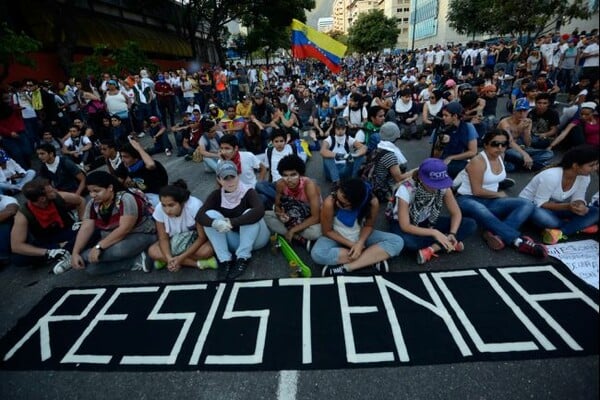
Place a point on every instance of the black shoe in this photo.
(224, 268)
(333, 270)
(506, 184)
(238, 270)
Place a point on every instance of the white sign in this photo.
(581, 257)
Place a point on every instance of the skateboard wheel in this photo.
(293, 264)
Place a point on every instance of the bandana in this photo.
(425, 201)
(136, 166)
(230, 200)
(237, 161)
(47, 217)
(349, 217)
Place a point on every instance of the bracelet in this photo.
(452, 233)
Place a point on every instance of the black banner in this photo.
(487, 314)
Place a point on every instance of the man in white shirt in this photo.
(12, 175)
(590, 58)
(246, 162)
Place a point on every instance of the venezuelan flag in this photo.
(310, 43)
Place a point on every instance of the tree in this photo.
(514, 17)
(339, 36)
(122, 61)
(15, 48)
(373, 31)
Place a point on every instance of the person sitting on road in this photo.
(521, 154)
(63, 173)
(406, 114)
(582, 129)
(368, 135)
(44, 228)
(232, 217)
(349, 240)
(181, 242)
(8, 209)
(232, 124)
(338, 151)
(544, 122)
(559, 195)
(208, 145)
(417, 216)
(12, 176)
(297, 203)
(181, 131)
(456, 142)
(160, 137)
(116, 229)
(77, 147)
(245, 161)
(500, 216)
(432, 112)
(110, 155)
(139, 170)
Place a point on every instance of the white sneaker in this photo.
(168, 152)
(64, 264)
(141, 134)
(141, 264)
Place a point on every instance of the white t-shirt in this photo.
(591, 61)
(547, 186)
(276, 156)
(249, 163)
(6, 200)
(11, 169)
(355, 117)
(406, 193)
(184, 222)
(339, 145)
(84, 141)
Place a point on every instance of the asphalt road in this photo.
(561, 378)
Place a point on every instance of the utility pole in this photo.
(414, 25)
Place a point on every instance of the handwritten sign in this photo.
(581, 257)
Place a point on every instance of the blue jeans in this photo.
(568, 222)
(161, 144)
(267, 192)
(467, 227)
(210, 164)
(541, 158)
(327, 251)
(65, 235)
(250, 237)
(5, 228)
(335, 172)
(19, 183)
(503, 216)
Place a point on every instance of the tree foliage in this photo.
(15, 48)
(122, 61)
(373, 31)
(267, 16)
(514, 17)
(339, 36)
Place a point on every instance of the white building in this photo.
(325, 24)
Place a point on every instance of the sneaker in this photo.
(590, 230)
(141, 134)
(142, 263)
(333, 270)
(241, 265)
(528, 246)
(506, 184)
(425, 255)
(209, 263)
(168, 153)
(309, 245)
(382, 267)
(159, 264)
(223, 270)
(459, 247)
(64, 264)
(494, 242)
(552, 236)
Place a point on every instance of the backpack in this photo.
(478, 58)
(346, 145)
(380, 187)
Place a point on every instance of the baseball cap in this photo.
(450, 83)
(389, 131)
(522, 104)
(433, 172)
(226, 168)
(212, 105)
(112, 82)
(454, 107)
(154, 118)
(258, 95)
(589, 104)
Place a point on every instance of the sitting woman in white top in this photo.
(559, 195)
(181, 242)
(232, 217)
(499, 215)
(418, 220)
(349, 240)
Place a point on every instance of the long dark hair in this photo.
(358, 193)
(177, 190)
(104, 180)
(582, 154)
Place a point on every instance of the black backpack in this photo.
(367, 173)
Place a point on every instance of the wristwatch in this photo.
(98, 247)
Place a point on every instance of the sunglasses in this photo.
(494, 143)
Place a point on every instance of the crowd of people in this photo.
(102, 202)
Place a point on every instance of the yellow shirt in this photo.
(243, 110)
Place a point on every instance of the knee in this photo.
(213, 214)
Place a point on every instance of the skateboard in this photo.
(297, 267)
